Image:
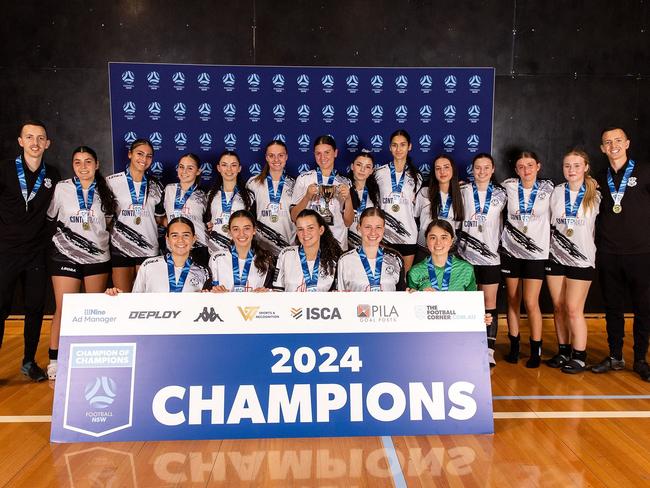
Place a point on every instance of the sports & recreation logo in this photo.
(203, 80)
(205, 140)
(253, 82)
(280, 137)
(377, 313)
(315, 313)
(353, 113)
(303, 142)
(156, 169)
(425, 169)
(248, 313)
(450, 113)
(255, 141)
(279, 111)
(206, 171)
(230, 140)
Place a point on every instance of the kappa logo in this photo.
(279, 110)
(352, 81)
(475, 82)
(474, 111)
(128, 77)
(401, 112)
(153, 78)
(205, 109)
(154, 108)
(155, 138)
(255, 169)
(254, 110)
(450, 82)
(203, 79)
(228, 79)
(255, 140)
(178, 78)
(426, 111)
(248, 313)
(229, 110)
(426, 82)
(377, 141)
(425, 140)
(401, 81)
(352, 141)
(180, 138)
(280, 137)
(449, 111)
(328, 111)
(303, 81)
(472, 141)
(303, 140)
(327, 81)
(101, 392)
(253, 80)
(129, 137)
(377, 82)
(157, 169)
(230, 139)
(205, 139)
(425, 169)
(180, 109)
(303, 111)
(352, 111)
(278, 80)
(449, 141)
(208, 315)
(303, 168)
(129, 108)
(377, 111)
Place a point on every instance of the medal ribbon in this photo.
(444, 209)
(617, 195)
(177, 286)
(571, 211)
(275, 196)
(477, 203)
(179, 202)
(396, 185)
(525, 210)
(363, 202)
(239, 280)
(84, 206)
(226, 206)
(22, 180)
(311, 280)
(330, 178)
(137, 201)
(445, 277)
(373, 279)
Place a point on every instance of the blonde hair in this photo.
(589, 200)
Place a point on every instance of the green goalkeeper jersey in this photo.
(462, 276)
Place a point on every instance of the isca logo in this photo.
(156, 168)
(129, 108)
(449, 111)
(203, 79)
(352, 81)
(129, 137)
(253, 80)
(303, 111)
(155, 138)
(154, 108)
(303, 140)
(450, 82)
(327, 81)
(425, 140)
(280, 137)
(377, 140)
(180, 108)
(377, 111)
(255, 169)
(352, 111)
(425, 111)
(303, 81)
(401, 81)
(101, 392)
(180, 138)
(205, 109)
(278, 80)
(401, 112)
(474, 111)
(377, 82)
(205, 139)
(352, 141)
(255, 140)
(279, 110)
(449, 140)
(426, 81)
(425, 169)
(475, 81)
(472, 141)
(230, 139)
(228, 79)
(153, 78)
(303, 168)
(316, 313)
(229, 110)
(328, 111)
(178, 78)
(128, 77)
(254, 110)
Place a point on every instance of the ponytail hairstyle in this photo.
(260, 178)
(325, 139)
(109, 204)
(589, 200)
(217, 185)
(520, 155)
(180, 220)
(330, 250)
(196, 160)
(410, 167)
(371, 182)
(263, 258)
(454, 191)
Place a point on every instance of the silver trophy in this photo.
(326, 193)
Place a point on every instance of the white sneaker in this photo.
(491, 360)
(51, 370)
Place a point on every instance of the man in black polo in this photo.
(26, 188)
(623, 250)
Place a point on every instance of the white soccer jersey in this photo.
(277, 235)
(579, 248)
(354, 238)
(127, 237)
(351, 275)
(400, 216)
(339, 230)
(71, 239)
(218, 237)
(153, 277)
(289, 275)
(423, 213)
(221, 268)
(481, 247)
(534, 243)
(193, 209)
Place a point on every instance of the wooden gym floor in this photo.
(551, 429)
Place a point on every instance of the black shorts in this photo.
(487, 275)
(200, 255)
(120, 261)
(71, 269)
(405, 249)
(527, 269)
(571, 272)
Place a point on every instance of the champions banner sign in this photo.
(206, 109)
(254, 365)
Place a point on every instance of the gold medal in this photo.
(525, 229)
(480, 228)
(617, 208)
(569, 232)
(224, 227)
(138, 220)
(274, 218)
(86, 225)
(395, 207)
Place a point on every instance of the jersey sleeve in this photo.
(140, 284)
(299, 191)
(53, 209)
(278, 274)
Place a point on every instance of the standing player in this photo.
(325, 191)
(311, 266)
(26, 188)
(525, 244)
(479, 236)
(398, 184)
(272, 189)
(623, 243)
(80, 208)
(371, 266)
(134, 236)
(365, 192)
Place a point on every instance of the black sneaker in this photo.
(33, 371)
(574, 366)
(609, 363)
(557, 361)
(642, 368)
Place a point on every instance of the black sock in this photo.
(618, 355)
(53, 354)
(579, 355)
(493, 328)
(535, 354)
(513, 355)
(564, 350)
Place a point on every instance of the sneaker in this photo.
(574, 366)
(51, 370)
(609, 363)
(557, 361)
(641, 367)
(491, 360)
(33, 371)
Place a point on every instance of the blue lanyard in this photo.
(444, 209)
(525, 210)
(22, 180)
(396, 186)
(445, 277)
(136, 200)
(617, 195)
(274, 196)
(477, 203)
(363, 202)
(84, 205)
(239, 280)
(571, 211)
(330, 178)
(226, 206)
(177, 286)
(311, 280)
(179, 202)
(373, 279)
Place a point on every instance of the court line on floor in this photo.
(10, 419)
(603, 414)
(572, 397)
(393, 462)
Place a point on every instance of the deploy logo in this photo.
(278, 112)
(450, 113)
(178, 80)
(153, 78)
(229, 112)
(154, 110)
(129, 110)
(353, 113)
(204, 111)
(228, 81)
(303, 83)
(179, 111)
(401, 112)
(352, 83)
(230, 140)
(474, 113)
(328, 83)
(425, 83)
(253, 81)
(205, 140)
(475, 83)
(450, 83)
(328, 113)
(401, 82)
(377, 83)
(128, 79)
(181, 140)
(377, 112)
(303, 113)
(278, 82)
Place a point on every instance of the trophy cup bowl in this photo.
(326, 193)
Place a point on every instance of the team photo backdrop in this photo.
(206, 109)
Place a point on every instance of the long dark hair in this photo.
(454, 191)
(371, 182)
(260, 178)
(330, 250)
(150, 177)
(245, 194)
(447, 227)
(109, 204)
(493, 178)
(410, 167)
(263, 259)
(196, 160)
